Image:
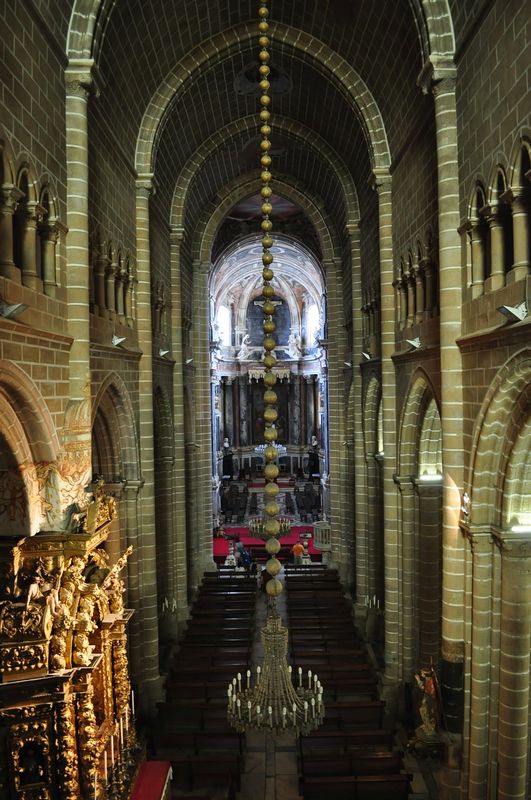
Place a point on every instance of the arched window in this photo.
(505, 220)
(224, 326)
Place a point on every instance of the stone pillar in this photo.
(9, 197)
(295, 421)
(110, 289)
(311, 424)
(230, 419)
(478, 759)
(244, 411)
(408, 588)
(520, 238)
(515, 642)
(441, 78)
(148, 608)
(404, 313)
(430, 304)
(101, 265)
(497, 275)
(49, 233)
(390, 500)
(30, 276)
(420, 299)
(410, 299)
(477, 287)
(121, 277)
(202, 454)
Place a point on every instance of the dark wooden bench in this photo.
(191, 772)
(362, 713)
(205, 691)
(356, 762)
(357, 787)
(342, 741)
(174, 740)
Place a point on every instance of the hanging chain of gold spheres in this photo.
(272, 526)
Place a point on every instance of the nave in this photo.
(357, 753)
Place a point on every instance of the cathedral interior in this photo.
(133, 364)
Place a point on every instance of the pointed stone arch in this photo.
(503, 417)
(114, 429)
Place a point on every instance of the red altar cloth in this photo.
(153, 781)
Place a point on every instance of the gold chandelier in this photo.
(279, 701)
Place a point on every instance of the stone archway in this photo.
(420, 484)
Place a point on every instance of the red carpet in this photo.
(221, 546)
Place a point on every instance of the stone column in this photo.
(408, 587)
(497, 275)
(101, 265)
(520, 238)
(477, 287)
(244, 411)
(49, 233)
(478, 760)
(148, 607)
(9, 197)
(390, 500)
(110, 289)
(515, 642)
(121, 277)
(79, 82)
(404, 313)
(410, 299)
(420, 299)
(229, 420)
(202, 454)
(430, 304)
(295, 422)
(30, 276)
(441, 78)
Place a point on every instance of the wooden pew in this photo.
(357, 787)
(191, 772)
(356, 762)
(341, 742)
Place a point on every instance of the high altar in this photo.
(66, 715)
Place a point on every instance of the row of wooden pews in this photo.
(192, 731)
(351, 755)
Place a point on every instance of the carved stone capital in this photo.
(513, 545)
(437, 70)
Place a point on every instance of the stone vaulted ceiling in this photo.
(177, 84)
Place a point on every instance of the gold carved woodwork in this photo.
(64, 672)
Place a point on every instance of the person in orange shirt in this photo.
(297, 551)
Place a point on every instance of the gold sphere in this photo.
(271, 490)
(263, 55)
(270, 415)
(263, 26)
(267, 242)
(263, 41)
(264, 70)
(265, 130)
(269, 326)
(272, 508)
(269, 343)
(266, 224)
(271, 472)
(263, 11)
(267, 259)
(267, 274)
(273, 566)
(269, 308)
(265, 100)
(274, 587)
(268, 291)
(269, 380)
(265, 115)
(270, 434)
(272, 545)
(266, 176)
(269, 361)
(265, 160)
(270, 397)
(270, 454)
(264, 84)
(266, 191)
(267, 208)
(265, 144)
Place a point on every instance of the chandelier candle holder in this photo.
(257, 527)
(279, 702)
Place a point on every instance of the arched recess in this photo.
(167, 557)
(374, 530)
(29, 481)
(420, 483)
(499, 425)
(500, 508)
(115, 457)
